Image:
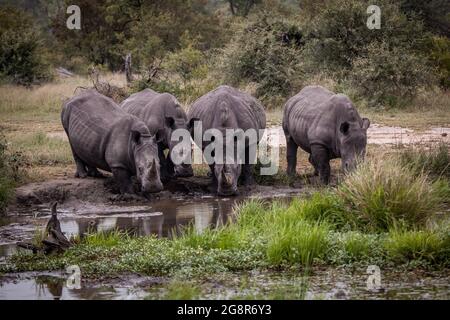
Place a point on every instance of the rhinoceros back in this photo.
(89, 119)
(152, 108)
(309, 117)
(246, 111)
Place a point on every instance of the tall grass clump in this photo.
(296, 241)
(244, 232)
(324, 206)
(419, 245)
(292, 239)
(434, 160)
(105, 239)
(384, 193)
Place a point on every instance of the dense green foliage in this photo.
(22, 55)
(270, 48)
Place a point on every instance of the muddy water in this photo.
(319, 285)
(53, 286)
(162, 218)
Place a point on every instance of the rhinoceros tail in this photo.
(224, 113)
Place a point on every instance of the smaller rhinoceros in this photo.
(104, 136)
(327, 126)
(227, 109)
(162, 114)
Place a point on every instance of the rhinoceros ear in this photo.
(135, 136)
(345, 127)
(170, 122)
(365, 123)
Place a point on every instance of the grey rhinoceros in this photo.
(104, 136)
(327, 126)
(227, 108)
(162, 114)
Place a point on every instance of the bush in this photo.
(266, 52)
(185, 63)
(384, 66)
(440, 55)
(21, 51)
(389, 75)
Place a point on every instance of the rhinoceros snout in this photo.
(228, 192)
(152, 187)
(184, 171)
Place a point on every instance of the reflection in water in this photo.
(7, 250)
(49, 287)
(162, 219)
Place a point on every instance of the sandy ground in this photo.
(383, 135)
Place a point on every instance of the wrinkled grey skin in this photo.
(227, 108)
(162, 114)
(327, 126)
(104, 136)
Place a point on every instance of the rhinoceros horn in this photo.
(227, 178)
(153, 170)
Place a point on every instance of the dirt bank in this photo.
(103, 191)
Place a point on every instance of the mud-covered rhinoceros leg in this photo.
(291, 156)
(213, 175)
(123, 179)
(247, 171)
(321, 160)
(164, 165)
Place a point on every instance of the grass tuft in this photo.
(384, 194)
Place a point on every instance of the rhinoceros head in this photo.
(353, 140)
(227, 176)
(145, 152)
(171, 124)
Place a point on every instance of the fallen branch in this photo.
(54, 238)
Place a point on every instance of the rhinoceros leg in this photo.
(321, 160)
(316, 172)
(164, 166)
(123, 179)
(291, 156)
(81, 166)
(213, 175)
(247, 170)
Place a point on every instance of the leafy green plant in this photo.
(21, 52)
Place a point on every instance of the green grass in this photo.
(40, 149)
(182, 290)
(421, 245)
(382, 213)
(104, 239)
(434, 160)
